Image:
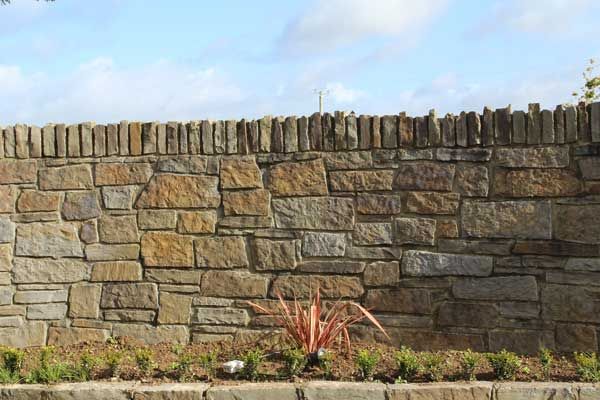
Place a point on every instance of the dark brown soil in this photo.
(343, 365)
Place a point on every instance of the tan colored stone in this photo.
(322, 213)
(116, 252)
(5, 257)
(233, 284)
(118, 229)
(30, 334)
(34, 200)
(247, 202)
(378, 204)
(12, 171)
(180, 191)
(415, 231)
(240, 173)
(59, 336)
(48, 240)
(534, 157)
(291, 286)
(425, 175)
(273, 255)
(84, 300)
(173, 276)
(432, 202)
(70, 177)
(40, 270)
(472, 180)
(130, 295)
(174, 309)
(8, 195)
(117, 271)
(372, 233)
(157, 219)
(7, 230)
(116, 174)
(129, 315)
(446, 228)
(537, 183)
(221, 252)
(382, 273)
(361, 181)
(197, 222)
(165, 249)
(298, 179)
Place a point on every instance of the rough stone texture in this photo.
(522, 288)
(537, 157)
(118, 197)
(321, 244)
(432, 202)
(38, 270)
(165, 249)
(122, 174)
(174, 309)
(424, 176)
(157, 219)
(89, 232)
(247, 202)
(472, 181)
(401, 300)
(240, 173)
(47, 240)
(116, 271)
(196, 222)
(314, 213)
(35, 200)
(221, 252)
(118, 229)
(72, 177)
(233, 284)
(130, 295)
(84, 300)
(180, 191)
(271, 255)
(361, 181)
(422, 263)
(298, 179)
(331, 286)
(537, 183)
(378, 204)
(382, 273)
(17, 172)
(80, 206)
(415, 231)
(575, 223)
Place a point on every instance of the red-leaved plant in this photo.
(312, 328)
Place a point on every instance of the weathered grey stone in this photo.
(332, 267)
(382, 273)
(220, 316)
(118, 229)
(424, 176)
(273, 255)
(344, 390)
(472, 154)
(118, 197)
(401, 300)
(583, 264)
(533, 157)
(254, 391)
(166, 249)
(157, 219)
(467, 315)
(71, 177)
(130, 295)
(348, 160)
(6, 295)
(291, 286)
(579, 224)
(183, 164)
(325, 213)
(31, 333)
(570, 304)
(174, 309)
(40, 296)
(7, 230)
(537, 390)
(423, 263)
(38, 270)
(180, 191)
(522, 288)
(372, 233)
(322, 244)
(514, 309)
(221, 252)
(233, 284)
(507, 219)
(432, 202)
(576, 337)
(84, 300)
(81, 206)
(590, 167)
(48, 240)
(48, 311)
(433, 391)
(378, 204)
(153, 334)
(493, 247)
(415, 231)
(298, 179)
(116, 252)
(175, 276)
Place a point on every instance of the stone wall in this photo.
(474, 231)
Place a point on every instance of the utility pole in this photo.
(322, 93)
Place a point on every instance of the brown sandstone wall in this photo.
(475, 231)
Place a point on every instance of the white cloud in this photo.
(343, 95)
(102, 91)
(327, 24)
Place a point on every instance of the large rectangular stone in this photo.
(40, 270)
(577, 223)
(220, 316)
(233, 284)
(130, 295)
(533, 157)
(271, 255)
(570, 303)
(12, 171)
(116, 271)
(220, 252)
(48, 240)
(423, 263)
(70, 177)
(507, 219)
(298, 179)
(361, 181)
(114, 252)
(291, 286)
(326, 213)
(467, 315)
(424, 175)
(40, 296)
(522, 288)
(50, 311)
(167, 249)
(180, 191)
(401, 300)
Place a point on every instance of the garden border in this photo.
(305, 391)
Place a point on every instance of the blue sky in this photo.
(107, 60)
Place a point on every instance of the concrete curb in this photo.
(305, 391)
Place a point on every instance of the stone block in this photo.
(17, 172)
(378, 204)
(472, 181)
(233, 284)
(471, 154)
(415, 231)
(183, 164)
(247, 202)
(254, 391)
(8, 196)
(118, 174)
(334, 287)
(322, 213)
(81, 206)
(157, 219)
(39, 270)
(344, 390)
(50, 311)
(499, 288)
(166, 249)
(84, 300)
(70, 177)
(323, 244)
(42, 239)
(569, 304)
(40, 296)
(220, 316)
(372, 233)
(374, 253)
(347, 160)
(129, 315)
(89, 232)
(576, 337)
(533, 157)
(589, 167)
(117, 271)
(114, 252)
(467, 315)
(221, 252)
(454, 390)
(7, 230)
(130, 295)
(424, 175)
(400, 300)
(240, 173)
(423, 263)
(60, 336)
(361, 181)
(298, 179)
(173, 276)
(271, 255)
(118, 229)
(180, 191)
(174, 309)
(522, 342)
(197, 222)
(5, 257)
(537, 183)
(574, 223)
(432, 202)
(35, 201)
(382, 273)
(30, 334)
(332, 267)
(118, 197)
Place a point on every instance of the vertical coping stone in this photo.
(376, 131)
(231, 136)
(583, 123)
(276, 135)
(290, 132)
(462, 137)
(124, 138)
(194, 137)
(433, 125)
(448, 131)
(595, 121)
(420, 130)
(35, 142)
(389, 131)
(502, 125)
(339, 127)
(1, 142)
(328, 133)
(48, 141)
(149, 137)
(61, 140)
(21, 141)
(406, 130)
(208, 142)
(242, 137)
(570, 123)
(547, 126)
(183, 138)
(519, 127)
(352, 131)
(364, 132)
(487, 127)
(172, 137)
(73, 146)
(303, 140)
(534, 124)
(135, 138)
(473, 129)
(253, 136)
(87, 139)
(559, 124)
(9, 142)
(161, 138)
(112, 139)
(315, 127)
(99, 140)
(265, 126)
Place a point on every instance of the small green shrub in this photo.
(366, 362)
(183, 367)
(505, 364)
(252, 360)
(48, 371)
(144, 359)
(113, 360)
(546, 360)
(588, 366)
(295, 361)
(326, 364)
(12, 359)
(7, 377)
(83, 370)
(208, 362)
(408, 364)
(433, 366)
(468, 363)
